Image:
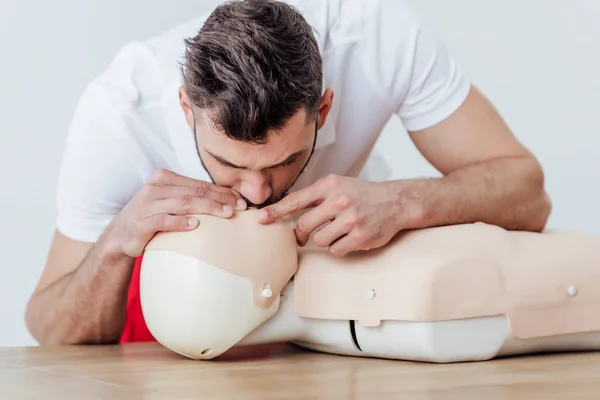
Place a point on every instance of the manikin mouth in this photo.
(266, 203)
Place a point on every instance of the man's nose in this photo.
(256, 189)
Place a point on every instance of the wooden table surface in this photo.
(148, 371)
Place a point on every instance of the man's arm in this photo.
(488, 175)
(81, 296)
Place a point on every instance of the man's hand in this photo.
(488, 176)
(82, 295)
(360, 215)
(164, 204)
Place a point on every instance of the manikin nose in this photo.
(256, 190)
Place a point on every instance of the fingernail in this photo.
(227, 209)
(241, 204)
(192, 222)
(263, 215)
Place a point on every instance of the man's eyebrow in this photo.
(232, 165)
(223, 161)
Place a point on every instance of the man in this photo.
(251, 120)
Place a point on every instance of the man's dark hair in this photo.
(252, 66)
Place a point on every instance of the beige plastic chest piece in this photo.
(265, 254)
(545, 283)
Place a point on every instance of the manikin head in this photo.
(203, 291)
(253, 95)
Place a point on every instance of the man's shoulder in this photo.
(140, 70)
(130, 98)
(344, 20)
(335, 23)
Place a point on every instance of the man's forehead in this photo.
(296, 124)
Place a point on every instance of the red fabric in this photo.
(135, 329)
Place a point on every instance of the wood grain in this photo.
(148, 371)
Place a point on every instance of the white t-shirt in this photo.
(379, 59)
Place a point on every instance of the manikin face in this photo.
(261, 173)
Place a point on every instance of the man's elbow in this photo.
(39, 328)
(540, 212)
(34, 323)
(49, 328)
(540, 205)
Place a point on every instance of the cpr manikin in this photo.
(445, 294)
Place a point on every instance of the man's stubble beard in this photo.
(271, 200)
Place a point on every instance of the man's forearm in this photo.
(86, 306)
(507, 192)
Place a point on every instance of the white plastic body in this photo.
(221, 310)
(473, 339)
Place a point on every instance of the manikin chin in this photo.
(446, 294)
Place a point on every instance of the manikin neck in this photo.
(284, 326)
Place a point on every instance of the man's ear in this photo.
(186, 106)
(325, 107)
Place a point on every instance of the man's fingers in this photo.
(226, 198)
(345, 245)
(313, 219)
(166, 223)
(190, 205)
(291, 203)
(354, 240)
(333, 231)
(167, 178)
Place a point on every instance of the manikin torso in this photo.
(456, 293)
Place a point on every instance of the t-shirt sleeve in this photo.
(410, 66)
(98, 175)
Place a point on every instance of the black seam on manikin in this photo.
(353, 334)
